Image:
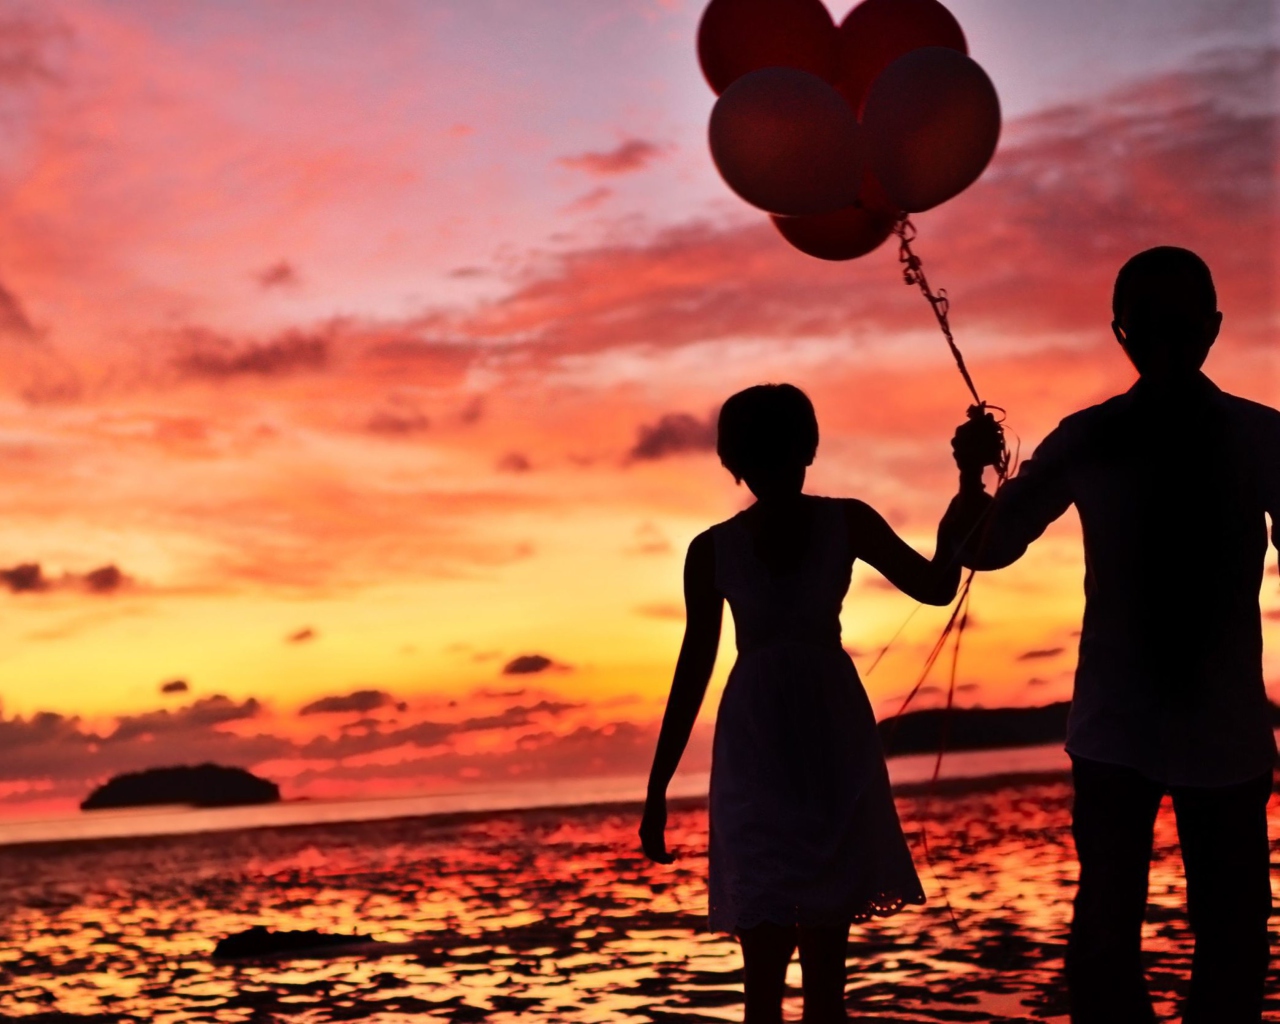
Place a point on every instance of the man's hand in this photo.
(978, 443)
(653, 827)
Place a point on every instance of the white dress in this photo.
(803, 827)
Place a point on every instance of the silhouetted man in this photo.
(1172, 481)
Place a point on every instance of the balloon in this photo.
(932, 121)
(877, 32)
(736, 37)
(844, 234)
(787, 142)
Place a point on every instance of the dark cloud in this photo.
(628, 156)
(589, 201)
(369, 736)
(25, 578)
(281, 274)
(528, 664)
(353, 743)
(50, 746)
(46, 729)
(29, 578)
(30, 45)
(301, 636)
(514, 462)
(360, 700)
(1046, 652)
(514, 718)
(205, 712)
(674, 434)
(105, 579)
(13, 318)
(211, 356)
(398, 421)
(174, 686)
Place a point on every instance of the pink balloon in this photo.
(932, 121)
(845, 234)
(736, 37)
(787, 142)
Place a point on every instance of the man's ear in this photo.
(1213, 325)
(1118, 331)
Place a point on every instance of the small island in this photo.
(205, 785)
(921, 732)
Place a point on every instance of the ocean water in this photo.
(546, 915)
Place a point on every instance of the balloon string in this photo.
(913, 273)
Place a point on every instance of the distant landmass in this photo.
(205, 785)
(922, 732)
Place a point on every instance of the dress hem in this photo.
(884, 905)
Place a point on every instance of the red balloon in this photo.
(787, 142)
(877, 32)
(932, 121)
(736, 37)
(845, 234)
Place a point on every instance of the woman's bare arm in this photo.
(930, 581)
(704, 612)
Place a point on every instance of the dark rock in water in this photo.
(205, 785)
(259, 942)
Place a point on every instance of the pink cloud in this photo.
(627, 157)
(1032, 248)
(208, 355)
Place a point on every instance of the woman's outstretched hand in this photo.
(653, 827)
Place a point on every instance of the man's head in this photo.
(1166, 312)
(767, 435)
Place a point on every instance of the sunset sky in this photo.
(376, 346)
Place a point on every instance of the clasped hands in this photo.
(977, 443)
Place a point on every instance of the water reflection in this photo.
(549, 916)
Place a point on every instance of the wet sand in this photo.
(542, 916)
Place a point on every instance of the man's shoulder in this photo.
(1094, 415)
(1255, 412)
(1256, 425)
(1084, 426)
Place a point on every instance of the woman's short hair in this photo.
(769, 426)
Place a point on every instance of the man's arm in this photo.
(1006, 524)
(1269, 470)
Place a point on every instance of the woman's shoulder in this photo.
(731, 523)
(849, 507)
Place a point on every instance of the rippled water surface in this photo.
(538, 916)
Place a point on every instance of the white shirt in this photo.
(1172, 497)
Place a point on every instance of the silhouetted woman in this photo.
(804, 835)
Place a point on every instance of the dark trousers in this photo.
(1223, 834)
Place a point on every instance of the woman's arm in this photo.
(704, 610)
(930, 581)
